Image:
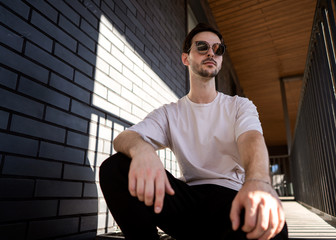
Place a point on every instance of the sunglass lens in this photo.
(218, 49)
(202, 47)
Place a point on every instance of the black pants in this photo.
(194, 212)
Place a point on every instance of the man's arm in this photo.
(147, 179)
(264, 216)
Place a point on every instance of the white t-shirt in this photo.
(203, 137)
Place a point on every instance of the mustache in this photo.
(209, 60)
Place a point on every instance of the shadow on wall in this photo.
(73, 75)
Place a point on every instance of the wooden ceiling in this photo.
(267, 40)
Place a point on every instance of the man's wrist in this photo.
(256, 180)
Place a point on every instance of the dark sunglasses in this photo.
(203, 47)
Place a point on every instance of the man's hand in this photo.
(147, 177)
(264, 216)
(148, 180)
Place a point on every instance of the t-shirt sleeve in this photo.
(247, 117)
(154, 128)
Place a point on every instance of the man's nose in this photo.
(211, 52)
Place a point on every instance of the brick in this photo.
(31, 167)
(9, 143)
(84, 81)
(13, 231)
(112, 17)
(130, 53)
(139, 27)
(130, 6)
(11, 39)
(103, 42)
(130, 96)
(66, 120)
(132, 77)
(87, 54)
(151, 56)
(109, 4)
(95, 145)
(119, 80)
(122, 58)
(20, 210)
(105, 132)
(48, 60)
(26, 30)
(61, 153)
(48, 188)
(8, 78)
(37, 129)
(134, 39)
(46, 229)
(84, 13)
(90, 190)
(85, 110)
(77, 140)
(15, 102)
(65, 10)
(89, 30)
(100, 90)
(44, 93)
(45, 8)
(103, 104)
(119, 101)
(77, 33)
(113, 38)
(79, 173)
(3, 119)
(16, 188)
(69, 88)
(72, 59)
(97, 159)
(129, 117)
(102, 64)
(21, 64)
(92, 6)
(106, 80)
(18, 7)
(109, 58)
(78, 206)
(122, 15)
(52, 30)
(89, 223)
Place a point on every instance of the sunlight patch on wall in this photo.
(126, 87)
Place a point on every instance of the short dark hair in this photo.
(201, 27)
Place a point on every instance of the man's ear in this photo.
(185, 59)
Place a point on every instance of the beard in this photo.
(204, 71)
(208, 73)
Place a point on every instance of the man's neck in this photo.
(202, 90)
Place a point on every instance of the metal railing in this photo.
(313, 152)
(280, 175)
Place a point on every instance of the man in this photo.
(225, 192)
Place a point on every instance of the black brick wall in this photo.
(52, 136)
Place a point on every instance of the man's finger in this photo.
(140, 187)
(132, 185)
(262, 222)
(281, 217)
(149, 192)
(235, 214)
(159, 193)
(251, 211)
(168, 188)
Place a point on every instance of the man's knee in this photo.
(114, 167)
